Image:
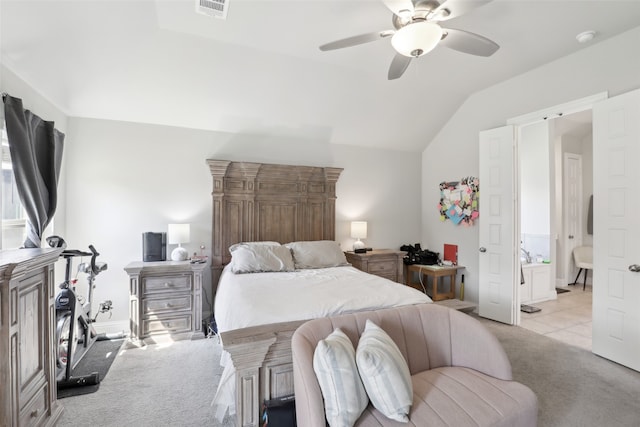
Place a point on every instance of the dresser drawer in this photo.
(383, 267)
(169, 283)
(35, 410)
(166, 325)
(166, 305)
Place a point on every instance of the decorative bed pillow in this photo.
(252, 244)
(256, 258)
(335, 366)
(385, 373)
(317, 254)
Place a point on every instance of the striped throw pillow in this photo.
(335, 366)
(385, 373)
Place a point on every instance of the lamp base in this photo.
(179, 254)
(358, 244)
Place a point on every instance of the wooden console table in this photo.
(435, 272)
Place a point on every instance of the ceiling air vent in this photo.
(217, 8)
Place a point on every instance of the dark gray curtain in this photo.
(36, 154)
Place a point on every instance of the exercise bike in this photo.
(75, 333)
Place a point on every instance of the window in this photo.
(13, 216)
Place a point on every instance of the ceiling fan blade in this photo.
(356, 40)
(399, 7)
(467, 42)
(450, 9)
(398, 66)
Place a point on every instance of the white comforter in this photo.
(244, 300)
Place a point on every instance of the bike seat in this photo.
(85, 267)
(101, 266)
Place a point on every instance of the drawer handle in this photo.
(34, 414)
(168, 305)
(168, 285)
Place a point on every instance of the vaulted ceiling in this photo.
(260, 71)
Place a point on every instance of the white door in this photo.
(498, 240)
(572, 233)
(616, 236)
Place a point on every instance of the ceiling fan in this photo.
(417, 32)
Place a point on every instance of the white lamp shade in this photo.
(178, 234)
(417, 38)
(359, 229)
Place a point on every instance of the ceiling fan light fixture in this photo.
(417, 38)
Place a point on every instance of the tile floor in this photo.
(567, 319)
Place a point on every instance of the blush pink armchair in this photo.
(460, 373)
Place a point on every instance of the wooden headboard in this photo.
(260, 201)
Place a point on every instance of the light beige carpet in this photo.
(169, 384)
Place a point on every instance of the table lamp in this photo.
(177, 235)
(358, 231)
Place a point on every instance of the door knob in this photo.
(483, 249)
(634, 268)
(571, 236)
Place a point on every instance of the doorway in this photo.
(565, 311)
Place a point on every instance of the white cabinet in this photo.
(537, 283)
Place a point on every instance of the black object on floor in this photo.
(98, 359)
(562, 290)
(529, 308)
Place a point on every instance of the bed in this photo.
(257, 312)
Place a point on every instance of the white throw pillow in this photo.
(335, 366)
(385, 373)
(317, 254)
(251, 258)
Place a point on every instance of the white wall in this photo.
(128, 178)
(533, 151)
(609, 66)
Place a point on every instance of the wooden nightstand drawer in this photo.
(385, 263)
(154, 284)
(163, 305)
(383, 267)
(164, 325)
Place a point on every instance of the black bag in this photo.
(279, 412)
(415, 255)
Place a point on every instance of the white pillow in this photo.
(317, 254)
(385, 373)
(251, 244)
(251, 258)
(335, 366)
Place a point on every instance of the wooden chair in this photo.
(583, 258)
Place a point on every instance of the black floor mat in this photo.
(98, 359)
(562, 290)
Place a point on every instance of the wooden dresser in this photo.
(385, 263)
(165, 300)
(27, 336)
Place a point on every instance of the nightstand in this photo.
(385, 263)
(165, 300)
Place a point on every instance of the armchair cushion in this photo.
(384, 373)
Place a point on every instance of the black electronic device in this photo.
(154, 246)
(417, 255)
